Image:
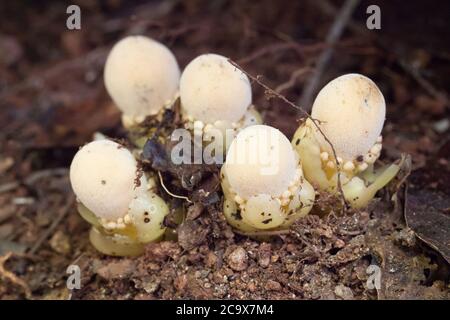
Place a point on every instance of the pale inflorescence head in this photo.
(103, 175)
(260, 161)
(351, 110)
(262, 181)
(141, 75)
(212, 89)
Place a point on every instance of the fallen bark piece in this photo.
(428, 216)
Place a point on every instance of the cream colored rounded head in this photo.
(103, 176)
(260, 161)
(141, 76)
(212, 89)
(352, 110)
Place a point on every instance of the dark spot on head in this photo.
(236, 215)
(103, 182)
(262, 213)
(145, 213)
(266, 221)
(297, 142)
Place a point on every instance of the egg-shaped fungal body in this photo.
(212, 89)
(261, 180)
(103, 176)
(216, 96)
(116, 198)
(260, 160)
(350, 112)
(142, 76)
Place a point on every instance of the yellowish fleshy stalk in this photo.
(359, 187)
(119, 202)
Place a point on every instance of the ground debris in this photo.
(428, 215)
(344, 292)
(54, 100)
(117, 269)
(191, 234)
(238, 259)
(60, 242)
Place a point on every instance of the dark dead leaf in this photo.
(155, 154)
(427, 215)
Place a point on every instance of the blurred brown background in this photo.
(52, 97)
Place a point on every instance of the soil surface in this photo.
(52, 100)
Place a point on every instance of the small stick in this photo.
(170, 193)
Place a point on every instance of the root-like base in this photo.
(114, 245)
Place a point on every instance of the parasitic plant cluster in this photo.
(268, 182)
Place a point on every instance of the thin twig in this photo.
(332, 38)
(307, 115)
(62, 213)
(170, 193)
